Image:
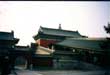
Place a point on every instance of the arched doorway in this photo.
(21, 62)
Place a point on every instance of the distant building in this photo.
(7, 42)
(47, 37)
(65, 46)
(89, 49)
(56, 48)
(19, 55)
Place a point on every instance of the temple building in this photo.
(88, 49)
(17, 55)
(63, 47)
(47, 37)
(56, 49)
(7, 42)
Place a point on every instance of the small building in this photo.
(16, 54)
(23, 56)
(41, 57)
(7, 42)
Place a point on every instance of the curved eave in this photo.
(16, 40)
(36, 37)
(84, 48)
(9, 41)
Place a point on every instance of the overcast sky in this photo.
(25, 17)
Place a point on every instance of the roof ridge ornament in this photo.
(12, 32)
(40, 26)
(76, 30)
(40, 29)
(60, 26)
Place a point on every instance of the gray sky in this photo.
(25, 17)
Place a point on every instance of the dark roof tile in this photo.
(6, 36)
(83, 43)
(59, 32)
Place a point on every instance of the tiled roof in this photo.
(59, 32)
(6, 36)
(83, 43)
(22, 48)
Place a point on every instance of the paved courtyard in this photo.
(59, 72)
(72, 72)
(92, 70)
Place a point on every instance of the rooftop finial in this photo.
(60, 26)
(12, 32)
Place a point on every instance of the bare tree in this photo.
(107, 28)
(106, 45)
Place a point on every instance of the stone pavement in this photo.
(59, 72)
(72, 72)
(85, 69)
(26, 72)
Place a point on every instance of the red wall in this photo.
(45, 43)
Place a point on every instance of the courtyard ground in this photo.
(59, 72)
(86, 69)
